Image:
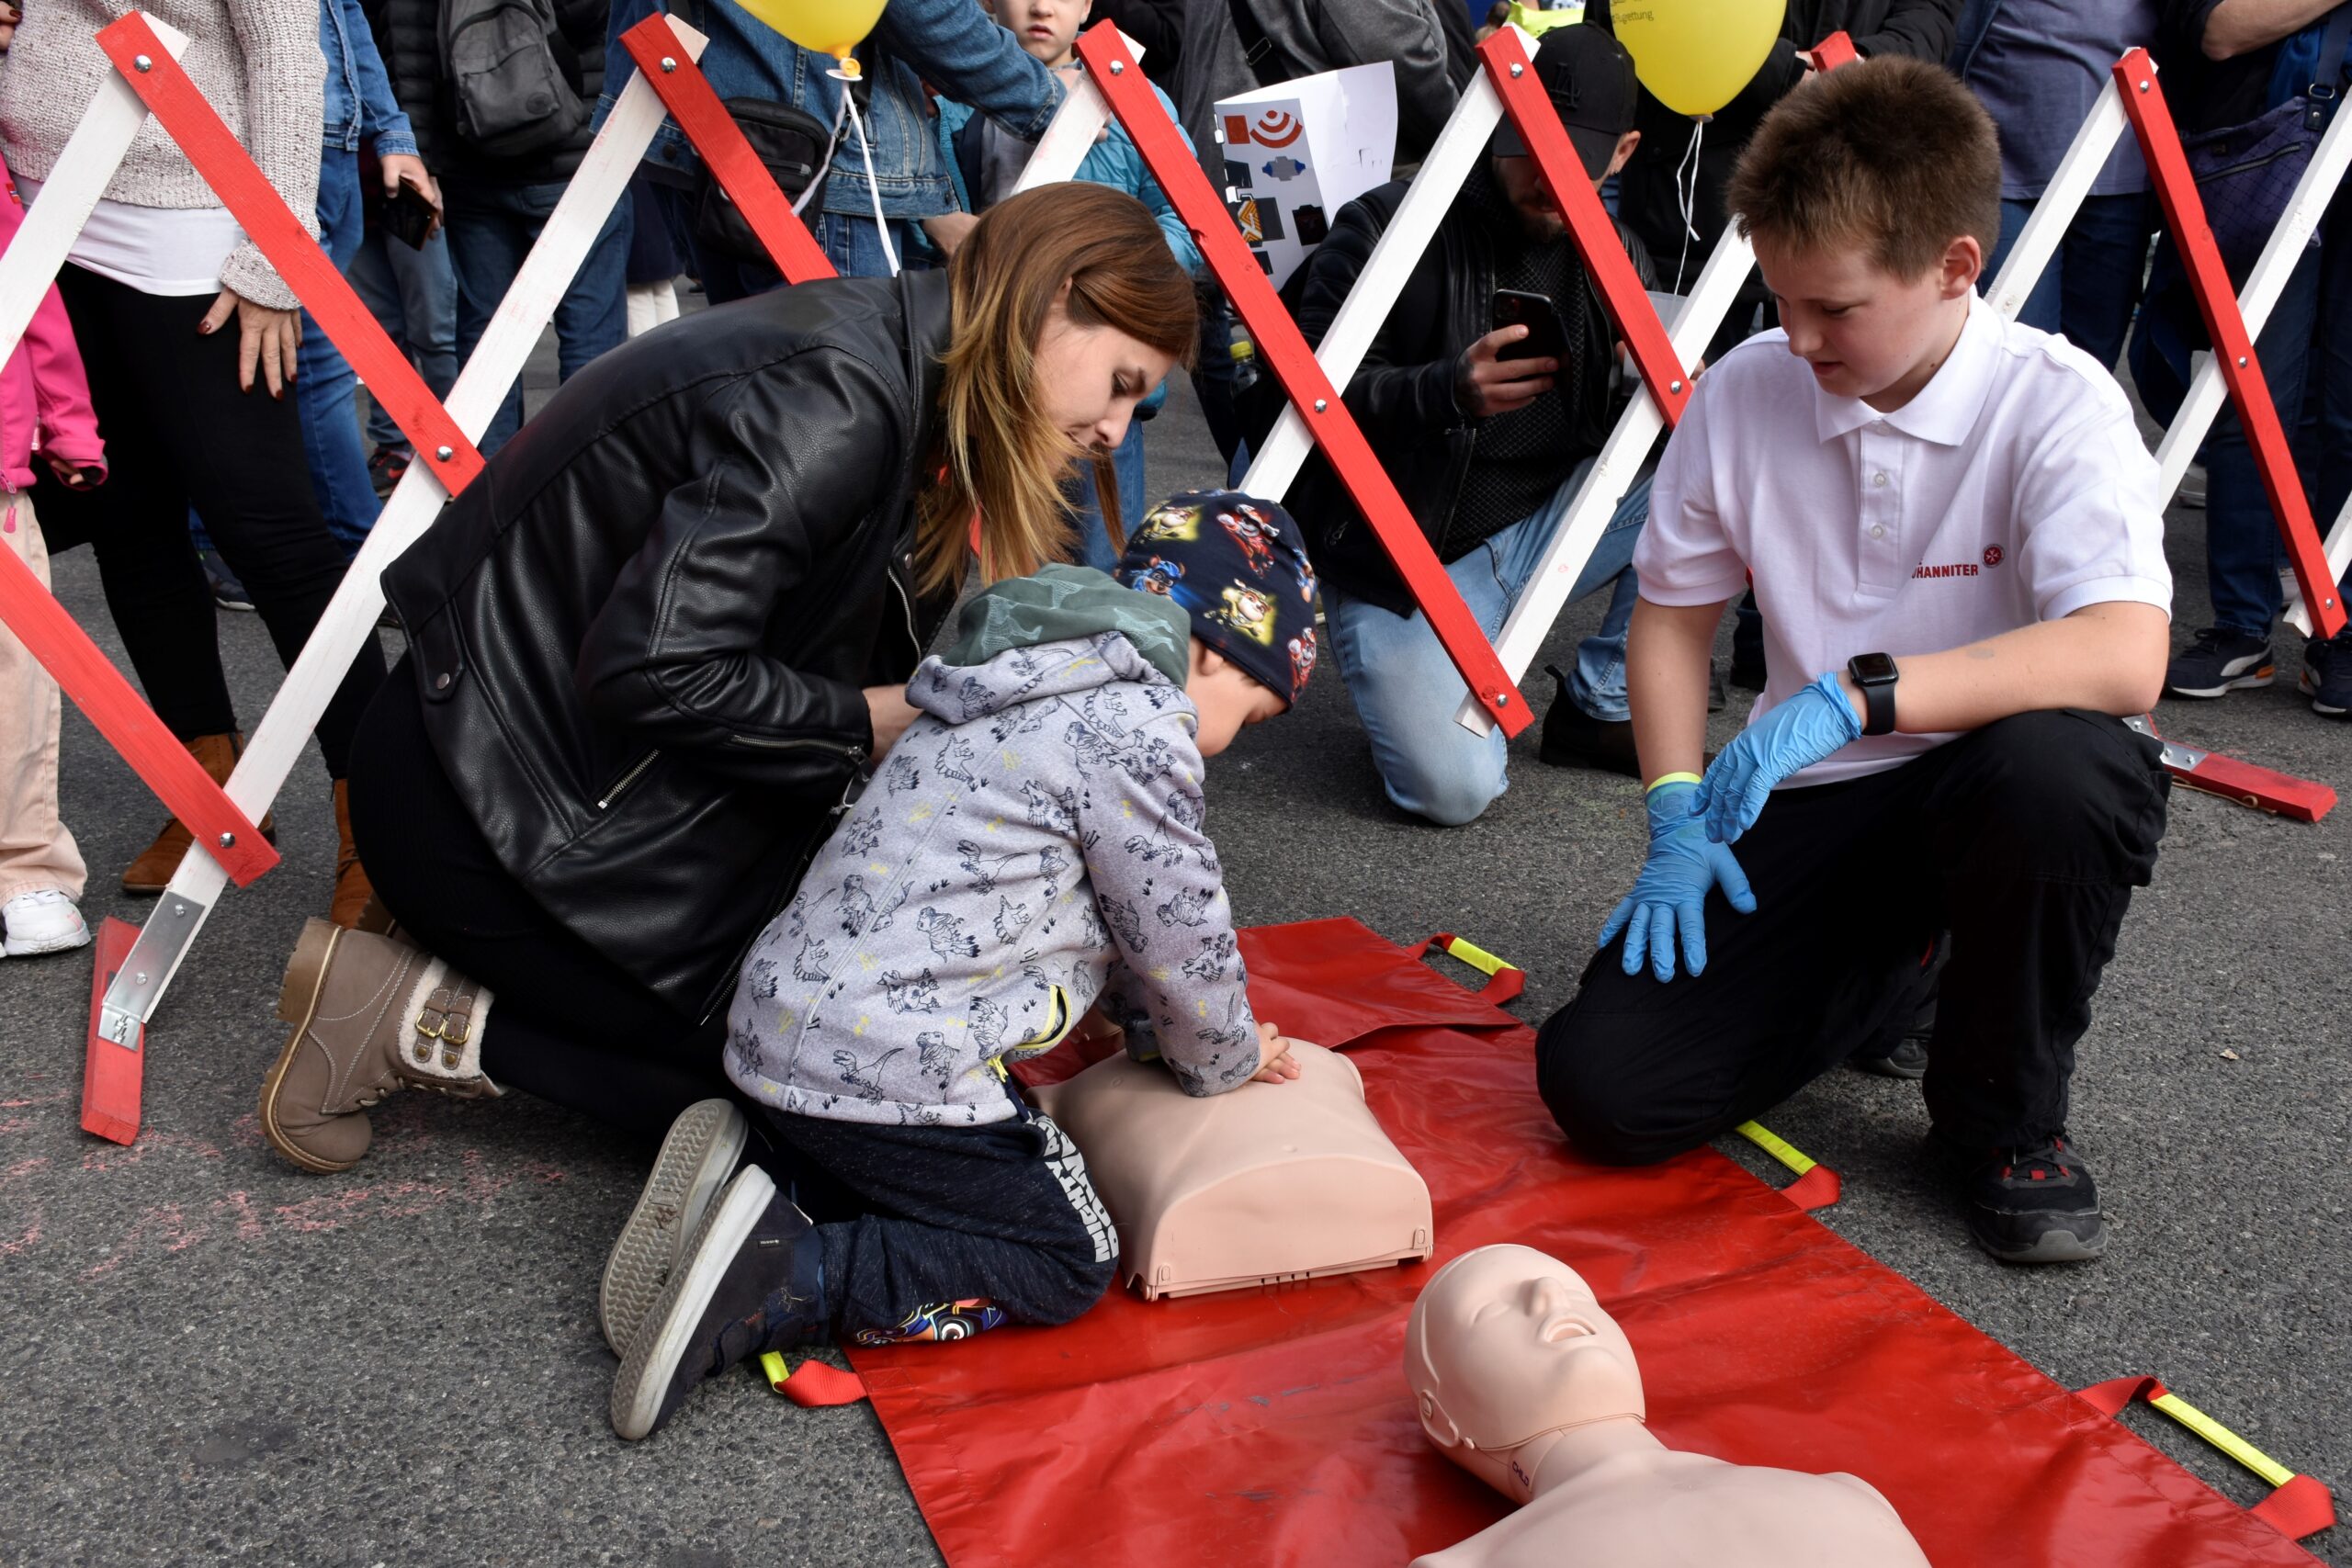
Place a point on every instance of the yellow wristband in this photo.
(1665, 779)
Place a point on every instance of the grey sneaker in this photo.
(704, 1146)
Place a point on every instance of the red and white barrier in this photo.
(148, 79)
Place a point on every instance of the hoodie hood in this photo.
(1062, 603)
(1075, 668)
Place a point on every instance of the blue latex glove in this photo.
(1672, 892)
(1802, 731)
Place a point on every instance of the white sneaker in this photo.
(42, 921)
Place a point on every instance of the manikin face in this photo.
(1091, 379)
(1046, 27)
(1507, 1343)
(1866, 333)
(1229, 701)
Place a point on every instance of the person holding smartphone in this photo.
(1488, 392)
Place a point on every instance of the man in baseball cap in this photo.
(1486, 392)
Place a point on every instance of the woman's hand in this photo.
(68, 474)
(266, 339)
(407, 169)
(890, 712)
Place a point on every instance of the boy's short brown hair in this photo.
(1892, 156)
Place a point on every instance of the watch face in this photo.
(1873, 669)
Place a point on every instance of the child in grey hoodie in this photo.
(1031, 849)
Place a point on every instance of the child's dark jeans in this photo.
(940, 1215)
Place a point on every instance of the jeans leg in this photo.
(592, 317)
(371, 276)
(2241, 534)
(1406, 688)
(2040, 308)
(1094, 546)
(2100, 266)
(486, 243)
(429, 305)
(1597, 684)
(326, 387)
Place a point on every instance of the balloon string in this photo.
(825, 163)
(1686, 194)
(865, 149)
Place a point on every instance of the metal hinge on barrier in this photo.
(148, 968)
(2185, 758)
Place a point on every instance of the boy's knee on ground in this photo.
(1608, 1114)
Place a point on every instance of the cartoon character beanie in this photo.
(1234, 564)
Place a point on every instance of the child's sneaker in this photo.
(2031, 1206)
(2327, 675)
(2218, 662)
(704, 1145)
(749, 1281)
(42, 921)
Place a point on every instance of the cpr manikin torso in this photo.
(1265, 1182)
(1522, 1379)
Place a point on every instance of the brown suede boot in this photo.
(351, 893)
(152, 871)
(371, 1015)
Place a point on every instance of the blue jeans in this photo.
(414, 297)
(2306, 354)
(852, 244)
(323, 380)
(2092, 284)
(1405, 690)
(491, 228)
(1093, 543)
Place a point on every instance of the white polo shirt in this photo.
(2014, 489)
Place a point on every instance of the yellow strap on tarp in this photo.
(2221, 1438)
(1477, 957)
(774, 1367)
(1777, 1146)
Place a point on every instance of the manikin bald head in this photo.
(1506, 1345)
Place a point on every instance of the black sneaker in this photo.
(385, 467)
(1905, 1056)
(228, 593)
(2033, 1206)
(1908, 1059)
(1573, 739)
(749, 1282)
(2218, 662)
(2327, 675)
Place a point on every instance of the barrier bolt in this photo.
(668, 65)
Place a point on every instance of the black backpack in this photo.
(511, 92)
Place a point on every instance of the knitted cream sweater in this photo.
(256, 62)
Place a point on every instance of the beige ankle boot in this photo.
(372, 1015)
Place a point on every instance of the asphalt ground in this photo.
(209, 1356)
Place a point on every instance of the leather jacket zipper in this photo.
(907, 605)
(623, 784)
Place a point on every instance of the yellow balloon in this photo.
(1695, 55)
(821, 26)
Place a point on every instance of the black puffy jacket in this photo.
(408, 35)
(640, 634)
(1402, 395)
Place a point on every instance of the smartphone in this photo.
(1545, 339)
(407, 217)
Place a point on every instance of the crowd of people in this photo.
(679, 768)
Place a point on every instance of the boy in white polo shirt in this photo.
(1954, 535)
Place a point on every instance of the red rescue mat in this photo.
(1274, 1426)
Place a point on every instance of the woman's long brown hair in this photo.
(1004, 460)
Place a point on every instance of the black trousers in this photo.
(2023, 840)
(935, 1215)
(179, 433)
(568, 1024)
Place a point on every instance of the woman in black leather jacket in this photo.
(658, 647)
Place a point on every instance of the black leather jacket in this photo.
(640, 633)
(1402, 395)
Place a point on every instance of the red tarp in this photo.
(1273, 1427)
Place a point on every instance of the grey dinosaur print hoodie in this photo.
(1033, 844)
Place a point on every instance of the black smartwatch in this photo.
(1875, 674)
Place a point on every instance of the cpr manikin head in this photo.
(1506, 1345)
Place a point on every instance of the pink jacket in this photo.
(43, 392)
